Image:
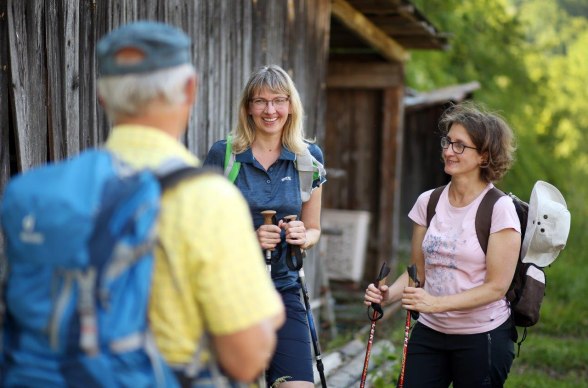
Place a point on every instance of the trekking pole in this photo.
(268, 220)
(412, 282)
(294, 260)
(374, 317)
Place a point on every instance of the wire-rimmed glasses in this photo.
(262, 103)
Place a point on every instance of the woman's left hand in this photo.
(417, 299)
(295, 232)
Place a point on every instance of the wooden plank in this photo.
(368, 31)
(71, 85)
(337, 148)
(364, 75)
(89, 109)
(314, 19)
(197, 31)
(376, 5)
(5, 110)
(28, 70)
(391, 173)
(365, 132)
(55, 92)
(367, 112)
(62, 40)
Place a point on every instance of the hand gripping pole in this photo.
(268, 219)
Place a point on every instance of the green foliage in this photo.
(386, 368)
(487, 43)
(544, 362)
(531, 59)
(339, 341)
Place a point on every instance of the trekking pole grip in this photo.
(295, 254)
(268, 220)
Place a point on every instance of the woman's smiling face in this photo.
(269, 111)
(466, 162)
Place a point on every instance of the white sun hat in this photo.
(548, 225)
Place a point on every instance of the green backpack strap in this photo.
(231, 166)
(309, 169)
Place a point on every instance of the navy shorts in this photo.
(436, 359)
(292, 359)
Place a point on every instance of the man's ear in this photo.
(101, 100)
(191, 90)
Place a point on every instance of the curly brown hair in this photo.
(489, 132)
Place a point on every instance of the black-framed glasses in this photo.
(456, 146)
(262, 103)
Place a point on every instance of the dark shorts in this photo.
(292, 359)
(435, 359)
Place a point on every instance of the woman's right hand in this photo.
(268, 236)
(375, 295)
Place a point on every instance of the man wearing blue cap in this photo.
(209, 278)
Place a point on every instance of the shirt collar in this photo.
(129, 139)
(247, 155)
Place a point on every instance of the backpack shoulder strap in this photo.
(309, 169)
(484, 216)
(172, 178)
(232, 167)
(305, 173)
(432, 204)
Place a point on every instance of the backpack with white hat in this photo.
(545, 225)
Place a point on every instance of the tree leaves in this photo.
(531, 59)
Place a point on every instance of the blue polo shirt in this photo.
(277, 189)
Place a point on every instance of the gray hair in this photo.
(128, 94)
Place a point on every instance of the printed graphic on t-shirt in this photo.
(441, 261)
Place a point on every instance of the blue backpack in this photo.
(78, 239)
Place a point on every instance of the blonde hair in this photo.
(489, 132)
(274, 79)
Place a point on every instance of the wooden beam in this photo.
(370, 75)
(368, 31)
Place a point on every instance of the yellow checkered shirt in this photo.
(212, 274)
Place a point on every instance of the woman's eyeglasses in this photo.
(456, 146)
(262, 103)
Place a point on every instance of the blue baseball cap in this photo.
(162, 45)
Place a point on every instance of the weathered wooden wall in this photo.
(364, 149)
(48, 103)
(423, 169)
(48, 89)
(4, 105)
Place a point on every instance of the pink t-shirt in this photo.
(455, 262)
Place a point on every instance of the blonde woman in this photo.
(268, 143)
